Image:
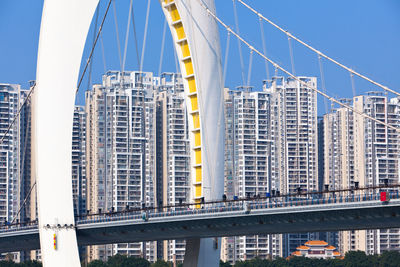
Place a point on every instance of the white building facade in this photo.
(9, 152)
(173, 154)
(120, 171)
(137, 153)
(361, 152)
(247, 170)
(79, 161)
(294, 147)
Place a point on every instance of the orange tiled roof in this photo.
(303, 248)
(336, 253)
(330, 247)
(316, 243)
(297, 253)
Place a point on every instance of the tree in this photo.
(161, 263)
(300, 262)
(333, 263)
(240, 264)
(356, 259)
(253, 263)
(30, 264)
(119, 260)
(279, 262)
(97, 263)
(224, 264)
(389, 259)
(7, 263)
(373, 260)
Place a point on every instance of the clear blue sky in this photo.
(363, 34)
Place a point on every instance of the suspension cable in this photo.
(93, 47)
(319, 52)
(103, 54)
(145, 35)
(94, 37)
(250, 66)
(264, 47)
(162, 48)
(353, 86)
(228, 38)
(221, 104)
(176, 61)
(127, 36)
(117, 34)
(239, 43)
(304, 84)
(321, 71)
(135, 36)
(291, 55)
(23, 204)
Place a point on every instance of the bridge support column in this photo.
(196, 38)
(63, 32)
(202, 252)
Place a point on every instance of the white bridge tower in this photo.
(64, 28)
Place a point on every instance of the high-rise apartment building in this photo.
(293, 115)
(78, 161)
(338, 153)
(376, 160)
(172, 154)
(27, 183)
(359, 151)
(339, 148)
(247, 162)
(15, 156)
(10, 168)
(271, 145)
(251, 157)
(251, 149)
(228, 250)
(137, 152)
(376, 145)
(294, 147)
(120, 165)
(10, 191)
(229, 181)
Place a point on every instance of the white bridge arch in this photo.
(64, 28)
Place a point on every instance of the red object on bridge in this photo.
(383, 196)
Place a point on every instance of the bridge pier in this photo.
(202, 252)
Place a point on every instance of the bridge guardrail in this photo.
(245, 205)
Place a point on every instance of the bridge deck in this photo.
(243, 218)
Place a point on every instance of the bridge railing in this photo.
(236, 205)
(244, 205)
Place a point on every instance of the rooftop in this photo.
(303, 248)
(316, 243)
